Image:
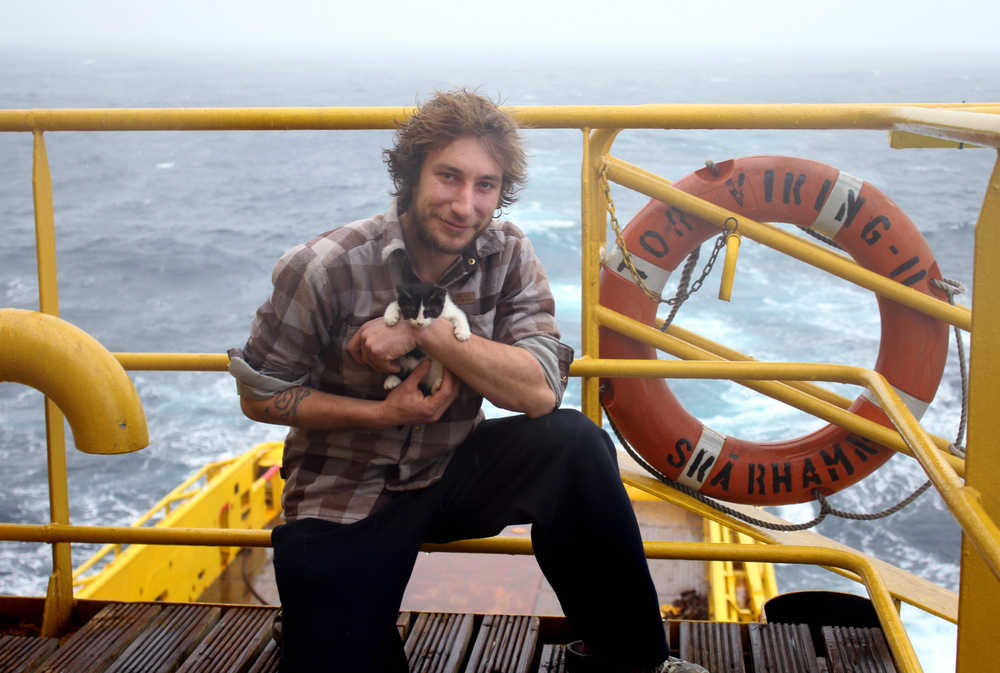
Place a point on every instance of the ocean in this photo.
(166, 240)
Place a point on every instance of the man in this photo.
(371, 476)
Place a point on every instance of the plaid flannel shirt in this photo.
(324, 291)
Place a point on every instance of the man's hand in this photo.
(377, 345)
(407, 404)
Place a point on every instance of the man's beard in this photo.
(425, 236)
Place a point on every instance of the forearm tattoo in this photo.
(284, 406)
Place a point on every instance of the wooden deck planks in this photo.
(182, 638)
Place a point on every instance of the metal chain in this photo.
(682, 289)
(620, 238)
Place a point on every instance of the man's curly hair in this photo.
(447, 117)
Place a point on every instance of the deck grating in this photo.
(184, 638)
(267, 662)
(783, 648)
(553, 659)
(172, 636)
(504, 643)
(233, 643)
(22, 653)
(438, 642)
(101, 640)
(857, 650)
(715, 645)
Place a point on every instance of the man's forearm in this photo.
(311, 409)
(509, 377)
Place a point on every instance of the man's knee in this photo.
(579, 440)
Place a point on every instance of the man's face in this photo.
(454, 200)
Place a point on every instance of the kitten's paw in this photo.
(391, 382)
(391, 315)
(462, 332)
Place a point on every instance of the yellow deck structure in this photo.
(968, 487)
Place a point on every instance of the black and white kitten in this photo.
(421, 304)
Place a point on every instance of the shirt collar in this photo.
(392, 240)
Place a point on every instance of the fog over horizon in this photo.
(711, 29)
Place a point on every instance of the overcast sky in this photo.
(312, 25)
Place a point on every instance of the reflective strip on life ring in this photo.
(859, 218)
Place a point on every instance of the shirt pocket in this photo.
(356, 379)
(482, 324)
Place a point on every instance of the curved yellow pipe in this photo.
(78, 374)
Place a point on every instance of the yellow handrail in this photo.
(963, 501)
(902, 650)
(919, 117)
(821, 408)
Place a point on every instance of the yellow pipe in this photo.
(45, 235)
(225, 537)
(659, 188)
(711, 347)
(594, 205)
(729, 266)
(957, 125)
(80, 376)
(59, 595)
(783, 391)
(724, 352)
(804, 116)
(203, 362)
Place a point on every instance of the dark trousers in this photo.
(341, 585)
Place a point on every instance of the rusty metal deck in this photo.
(169, 638)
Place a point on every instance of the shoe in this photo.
(675, 665)
(579, 660)
(276, 628)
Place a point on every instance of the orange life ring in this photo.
(809, 194)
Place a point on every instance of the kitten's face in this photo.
(412, 297)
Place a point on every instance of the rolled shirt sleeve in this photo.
(555, 358)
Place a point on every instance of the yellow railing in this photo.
(974, 504)
(229, 494)
(758, 580)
